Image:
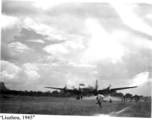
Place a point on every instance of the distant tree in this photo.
(128, 95)
(137, 98)
(2, 86)
(55, 93)
(117, 94)
(47, 93)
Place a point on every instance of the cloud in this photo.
(38, 41)
(143, 81)
(74, 44)
(7, 53)
(141, 78)
(28, 34)
(8, 21)
(69, 43)
(17, 46)
(35, 20)
(6, 75)
(64, 48)
(83, 9)
(62, 73)
(18, 52)
(12, 31)
(32, 75)
(149, 16)
(19, 8)
(29, 66)
(120, 72)
(31, 72)
(16, 76)
(55, 49)
(101, 46)
(45, 5)
(10, 67)
(78, 12)
(129, 17)
(48, 31)
(11, 26)
(9, 71)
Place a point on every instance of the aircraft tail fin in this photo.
(96, 86)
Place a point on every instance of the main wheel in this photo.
(81, 97)
(78, 98)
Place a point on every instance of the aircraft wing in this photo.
(115, 89)
(123, 88)
(55, 88)
(64, 89)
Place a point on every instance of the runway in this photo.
(70, 106)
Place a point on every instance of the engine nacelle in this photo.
(112, 91)
(65, 89)
(76, 91)
(95, 92)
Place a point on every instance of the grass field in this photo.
(70, 106)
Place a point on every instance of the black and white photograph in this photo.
(80, 58)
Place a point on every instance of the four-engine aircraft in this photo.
(88, 89)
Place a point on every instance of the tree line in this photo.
(6, 91)
(34, 93)
(47, 93)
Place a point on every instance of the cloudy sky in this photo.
(57, 43)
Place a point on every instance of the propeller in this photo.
(73, 87)
(65, 88)
(109, 88)
(95, 91)
(96, 87)
(80, 90)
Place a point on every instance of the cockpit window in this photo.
(82, 84)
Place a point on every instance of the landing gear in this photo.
(78, 97)
(81, 97)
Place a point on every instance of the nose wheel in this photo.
(79, 97)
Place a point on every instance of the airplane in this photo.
(88, 89)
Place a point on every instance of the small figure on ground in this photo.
(99, 100)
